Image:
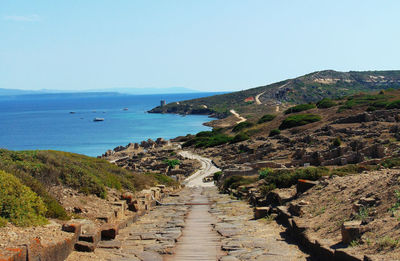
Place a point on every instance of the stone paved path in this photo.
(246, 239)
(222, 231)
(199, 241)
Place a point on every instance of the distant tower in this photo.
(162, 103)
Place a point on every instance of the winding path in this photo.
(207, 168)
(257, 98)
(237, 115)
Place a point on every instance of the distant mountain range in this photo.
(134, 91)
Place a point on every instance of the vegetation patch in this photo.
(379, 100)
(235, 181)
(19, 204)
(240, 137)
(299, 120)
(274, 132)
(207, 139)
(172, 163)
(325, 103)
(241, 126)
(158, 178)
(393, 105)
(266, 118)
(282, 178)
(300, 107)
(40, 169)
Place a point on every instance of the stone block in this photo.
(109, 231)
(260, 212)
(351, 230)
(303, 185)
(84, 246)
(72, 227)
(91, 238)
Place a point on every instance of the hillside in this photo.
(308, 88)
(347, 150)
(48, 174)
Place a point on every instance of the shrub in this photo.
(325, 103)
(213, 141)
(394, 105)
(264, 173)
(18, 203)
(235, 181)
(337, 142)
(375, 100)
(3, 222)
(172, 163)
(163, 179)
(266, 118)
(390, 163)
(299, 120)
(207, 139)
(274, 132)
(240, 137)
(241, 126)
(300, 107)
(282, 178)
(217, 175)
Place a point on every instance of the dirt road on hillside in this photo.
(207, 168)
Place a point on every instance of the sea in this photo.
(65, 121)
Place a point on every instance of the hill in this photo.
(308, 88)
(43, 172)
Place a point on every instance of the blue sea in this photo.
(32, 122)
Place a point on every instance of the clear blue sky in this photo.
(207, 45)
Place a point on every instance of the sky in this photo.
(207, 45)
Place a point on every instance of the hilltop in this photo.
(274, 97)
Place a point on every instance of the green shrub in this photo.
(351, 169)
(299, 120)
(3, 222)
(325, 103)
(274, 132)
(235, 181)
(300, 107)
(337, 142)
(375, 100)
(172, 163)
(207, 139)
(264, 190)
(266, 118)
(217, 175)
(205, 134)
(282, 178)
(163, 179)
(240, 137)
(241, 126)
(18, 203)
(390, 163)
(394, 105)
(264, 173)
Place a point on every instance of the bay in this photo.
(32, 122)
